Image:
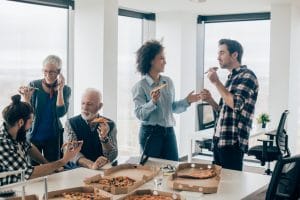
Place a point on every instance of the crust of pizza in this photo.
(82, 196)
(100, 120)
(198, 174)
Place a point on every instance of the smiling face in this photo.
(90, 105)
(51, 72)
(226, 60)
(158, 63)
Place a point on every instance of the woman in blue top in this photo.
(155, 107)
(50, 99)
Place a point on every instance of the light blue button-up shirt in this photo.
(160, 113)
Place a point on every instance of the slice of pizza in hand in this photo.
(100, 120)
(159, 87)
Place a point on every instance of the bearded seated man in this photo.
(16, 151)
(98, 133)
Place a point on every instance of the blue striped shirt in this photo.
(160, 113)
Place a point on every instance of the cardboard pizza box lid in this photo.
(208, 185)
(154, 193)
(57, 194)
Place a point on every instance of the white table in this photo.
(233, 184)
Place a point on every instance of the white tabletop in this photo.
(233, 184)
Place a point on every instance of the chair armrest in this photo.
(271, 133)
(265, 140)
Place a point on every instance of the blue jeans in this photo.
(159, 142)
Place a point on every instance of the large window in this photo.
(255, 39)
(28, 34)
(129, 40)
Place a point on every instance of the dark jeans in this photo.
(159, 142)
(49, 148)
(229, 157)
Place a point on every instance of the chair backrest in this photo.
(206, 116)
(285, 181)
(281, 136)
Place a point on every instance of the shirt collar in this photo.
(236, 71)
(150, 81)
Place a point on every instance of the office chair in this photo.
(285, 181)
(206, 120)
(267, 152)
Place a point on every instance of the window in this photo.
(29, 33)
(255, 39)
(129, 40)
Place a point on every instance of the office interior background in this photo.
(97, 40)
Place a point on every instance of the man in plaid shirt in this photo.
(236, 107)
(15, 151)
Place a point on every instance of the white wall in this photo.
(284, 68)
(180, 50)
(95, 51)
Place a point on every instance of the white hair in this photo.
(54, 60)
(93, 91)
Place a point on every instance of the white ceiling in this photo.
(210, 7)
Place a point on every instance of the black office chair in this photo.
(285, 181)
(267, 152)
(206, 120)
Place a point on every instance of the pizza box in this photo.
(27, 197)
(57, 194)
(140, 174)
(183, 178)
(153, 193)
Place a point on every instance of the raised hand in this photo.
(60, 82)
(26, 92)
(205, 95)
(193, 97)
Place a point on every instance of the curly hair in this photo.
(145, 54)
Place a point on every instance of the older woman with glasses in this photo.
(50, 99)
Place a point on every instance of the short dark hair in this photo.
(233, 46)
(145, 54)
(16, 110)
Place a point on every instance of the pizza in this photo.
(119, 181)
(82, 196)
(198, 174)
(100, 120)
(159, 87)
(148, 197)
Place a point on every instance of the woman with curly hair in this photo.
(154, 99)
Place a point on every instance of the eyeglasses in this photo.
(50, 72)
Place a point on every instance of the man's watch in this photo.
(104, 140)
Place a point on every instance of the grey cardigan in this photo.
(38, 101)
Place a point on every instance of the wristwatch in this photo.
(104, 140)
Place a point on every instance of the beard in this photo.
(88, 116)
(21, 134)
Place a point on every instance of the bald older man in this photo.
(99, 139)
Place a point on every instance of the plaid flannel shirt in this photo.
(235, 124)
(13, 156)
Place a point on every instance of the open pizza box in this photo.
(126, 177)
(196, 177)
(58, 194)
(153, 193)
(27, 197)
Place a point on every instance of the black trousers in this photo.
(229, 157)
(161, 142)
